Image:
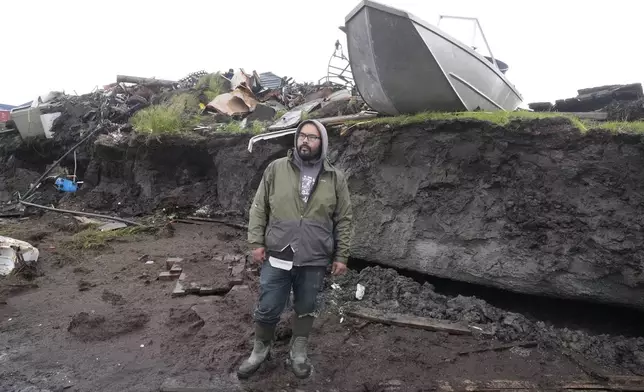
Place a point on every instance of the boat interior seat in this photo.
(502, 66)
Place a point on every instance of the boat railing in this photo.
(339, 68)
(476, 25)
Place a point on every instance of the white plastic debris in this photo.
(10, 251)
(341, 320)
(203, 211)
(149, 262)
(8, 259)
(143, 345)
(335, 286)
(112, 226)
(359, 291)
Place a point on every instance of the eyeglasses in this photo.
(312, 138)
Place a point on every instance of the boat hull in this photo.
(401, 65)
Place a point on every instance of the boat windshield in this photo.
(469, 31)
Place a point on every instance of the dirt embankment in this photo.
(532, 207)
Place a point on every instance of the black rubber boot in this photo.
(261, 350)
(300, 363)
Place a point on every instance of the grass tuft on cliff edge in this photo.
(498, 117)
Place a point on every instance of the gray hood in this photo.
(323, 135)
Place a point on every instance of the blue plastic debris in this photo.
(65, 185)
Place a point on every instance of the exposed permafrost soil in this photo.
(532, 207)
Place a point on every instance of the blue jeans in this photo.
(275, 289)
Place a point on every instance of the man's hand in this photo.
(338, 268)
(259, 255)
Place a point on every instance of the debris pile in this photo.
(201, 101)
(596, 99)
(626, 110)
(388, 291)
(264, 97)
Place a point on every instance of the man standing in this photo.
(300, 222)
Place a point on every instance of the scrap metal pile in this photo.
(261, 97)
(219, 99)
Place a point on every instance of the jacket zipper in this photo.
(298, 185)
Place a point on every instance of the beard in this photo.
(307, 153)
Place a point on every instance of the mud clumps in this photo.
(179, 317)
(93, 327)
(185, 322)
(388, 291)
(84, 285)
(113, 298)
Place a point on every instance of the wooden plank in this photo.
(590, 386)
(349, 117)
(500, 347)
(519, 385)
(586, 366)
(179, 290)
(599, 116)
(166, 276)
(409, 321)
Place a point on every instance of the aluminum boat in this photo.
(402, 64)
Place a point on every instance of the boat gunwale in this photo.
(434, 29)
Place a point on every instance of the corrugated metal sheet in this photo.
(269, 80)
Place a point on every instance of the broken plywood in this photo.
(237, 274)
(176, 269)
(180, 287)
(167, 276)
(170, 261)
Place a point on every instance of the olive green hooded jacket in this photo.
(319, 231)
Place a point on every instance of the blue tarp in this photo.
(6, 107)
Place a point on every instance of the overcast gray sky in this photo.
(553, 47)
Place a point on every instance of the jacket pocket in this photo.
(278, 234)
(317, 240)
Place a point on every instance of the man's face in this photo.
(309, 142)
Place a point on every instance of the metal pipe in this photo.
(488, 45)
(131, 223)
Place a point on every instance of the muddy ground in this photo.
(98, 320)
